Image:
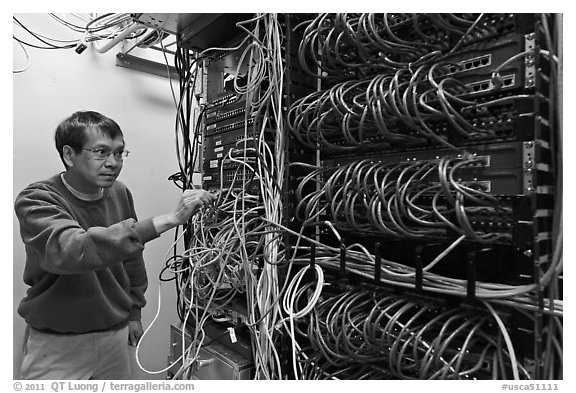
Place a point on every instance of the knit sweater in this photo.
(84, 264)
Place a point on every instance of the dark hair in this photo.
(71, 130)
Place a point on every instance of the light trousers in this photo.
(101, 355)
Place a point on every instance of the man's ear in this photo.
(68, 154)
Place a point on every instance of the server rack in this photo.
(414, 229)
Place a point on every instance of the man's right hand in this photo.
(189, 203)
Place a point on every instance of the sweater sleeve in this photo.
(138, 284)
(136, 270)
(49, 229)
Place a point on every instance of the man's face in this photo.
(87, 172)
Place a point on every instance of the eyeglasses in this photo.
(103, 154)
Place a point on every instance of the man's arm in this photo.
(49, 228)
(190, 201)
(138, 283)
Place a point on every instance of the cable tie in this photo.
(232, 335)
(342, 258)
(377, 262)
(312, 256)
(419, 269)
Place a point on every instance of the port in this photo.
(229, 127)
(481, 162)
(471, 64)
(487, 85)
(484, 185)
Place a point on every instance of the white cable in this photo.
(439, 257)
(156, 317)
(506, 339)
(27, 60)
(289, 297)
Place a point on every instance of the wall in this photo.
(59, 82)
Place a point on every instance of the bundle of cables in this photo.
(110, 28)
(410, 199)
(341, 46)
(236, 249)
(369, 333)
(415, 106)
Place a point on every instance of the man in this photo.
(84, 261)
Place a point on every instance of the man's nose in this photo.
(112, 161)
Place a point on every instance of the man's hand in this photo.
(190, 201)
(134, 332)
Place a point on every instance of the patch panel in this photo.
(483, 86)
(233, 176)
(221, 160)
(229, 138)
(474, 65)
(504, 82)
(236, 176)
(216, 128)
(480, 185)
(470, 64)
(497, 26)
(500, 127)
(227, 99)
(236, 103)
(495, 156)
(224, 114)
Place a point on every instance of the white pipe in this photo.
(145, 36)
(112, 43)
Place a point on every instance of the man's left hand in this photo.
(134, 332)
